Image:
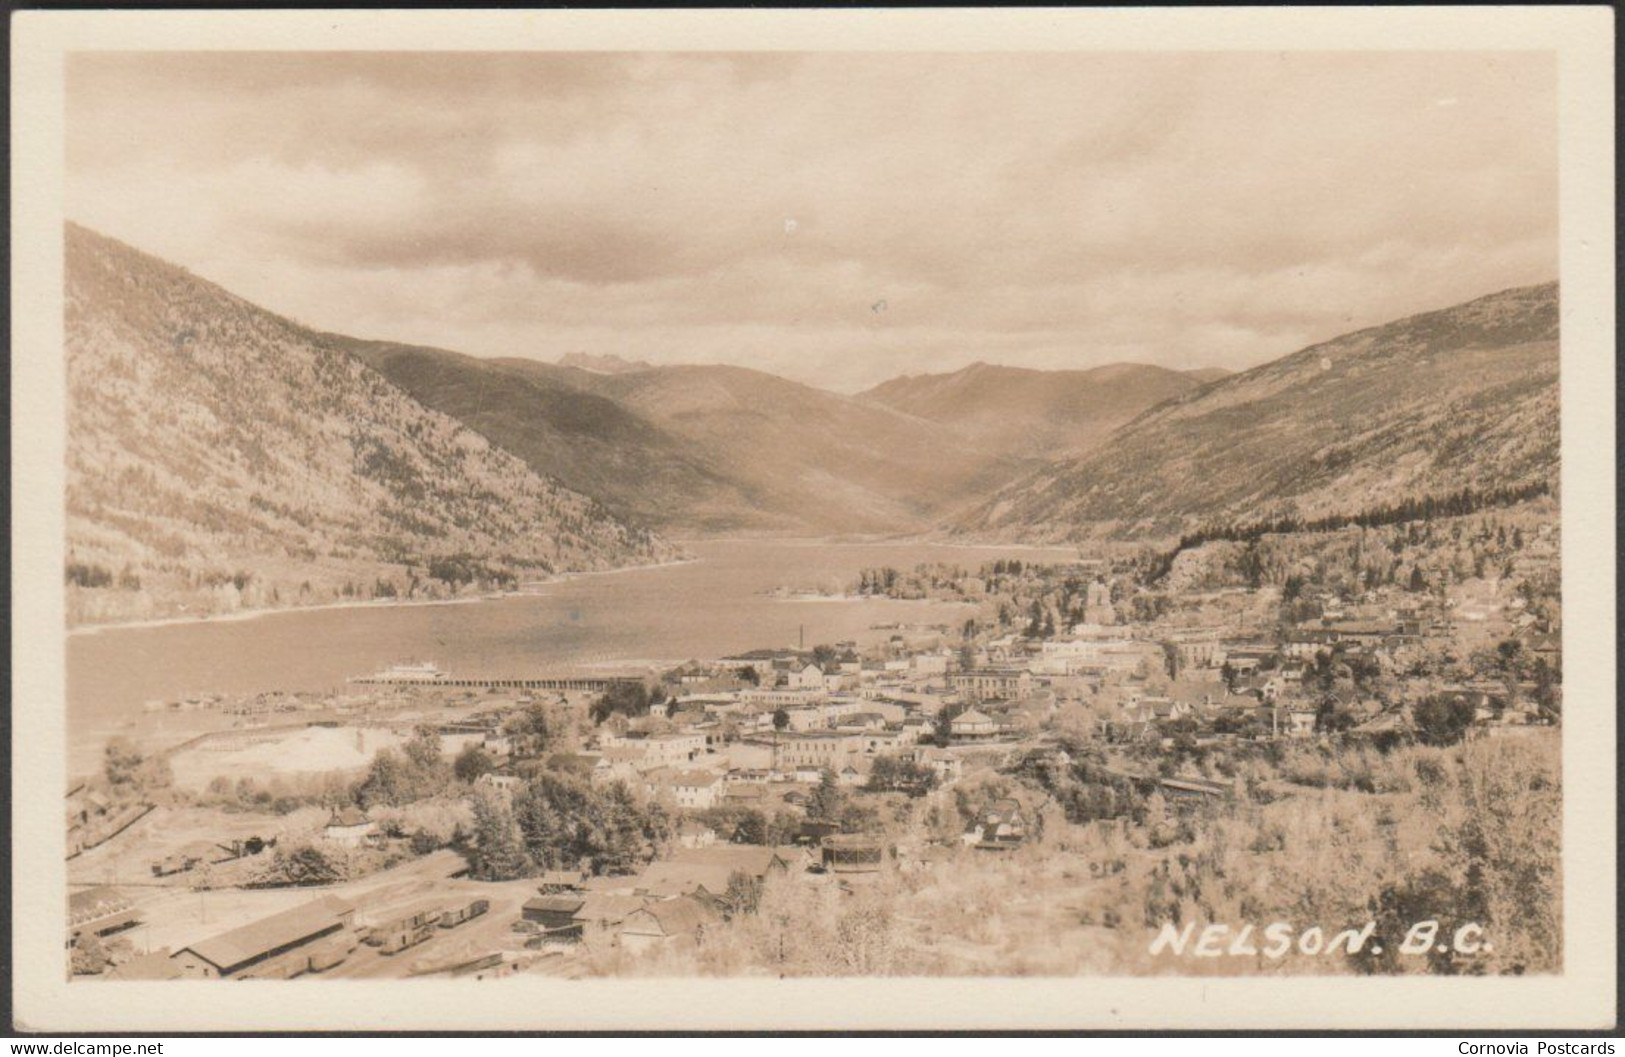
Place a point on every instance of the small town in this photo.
(1089, 755)
(813, 522)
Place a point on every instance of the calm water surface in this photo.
(716, 605)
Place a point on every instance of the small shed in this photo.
(555, 914)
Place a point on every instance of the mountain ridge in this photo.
(1030, 412)
(602, 363)
(223, 457)
(807, 459)
(1423, 405)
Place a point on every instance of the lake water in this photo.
(720, 603)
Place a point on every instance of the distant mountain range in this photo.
(211, 438)
(1038, 414)
(549, 416)
(717, 449)
(220, 455)
(706, 449)
(602, 363)
(1465, 397)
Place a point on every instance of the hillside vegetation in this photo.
(221, 457)
(811, 460)
(589, 442)
(1461, 398)
(1044, 414)
(706, 450)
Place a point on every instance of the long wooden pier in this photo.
(596, 683)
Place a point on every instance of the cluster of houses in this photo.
(788, 715)
(760, 728)
(746, 728)
(671, 901)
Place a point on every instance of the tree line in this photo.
(1456, 504)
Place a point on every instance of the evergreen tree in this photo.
(566, 823)
(1035, 626)
(827, 801)
(499, 852)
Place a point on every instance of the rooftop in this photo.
(230, 949)
(679, 916)
(555, 904)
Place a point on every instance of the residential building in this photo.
(973, 725)
(690, 790)
(808, 677)
(1194, 648)
(988, 684)
(664, 922)
(819, 750)
(1001, 825)
(349, 827)
(503, 783)
(692, 834)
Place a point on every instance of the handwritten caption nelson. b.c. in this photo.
(1280, 938)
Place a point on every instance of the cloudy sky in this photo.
(836, 218)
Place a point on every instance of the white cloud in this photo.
(1043, 210)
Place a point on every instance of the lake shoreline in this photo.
(714, 604)
(242, 615)
(531, 587)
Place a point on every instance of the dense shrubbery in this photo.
(90, 955)
(1433, 839)
(747, 825)
(472, 763)
(303, 864)
(1431, 844)
(1442, 721)
(130, 776)
(830, 804)
(630, 699)
(280, 794)
(1085, 789)
(81, 574)
(417, 772)
(889, 774)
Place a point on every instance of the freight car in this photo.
(396, 942)
(459, 914)
(427, 914)
(328, 955)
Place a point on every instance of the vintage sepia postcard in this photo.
(813, 520)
